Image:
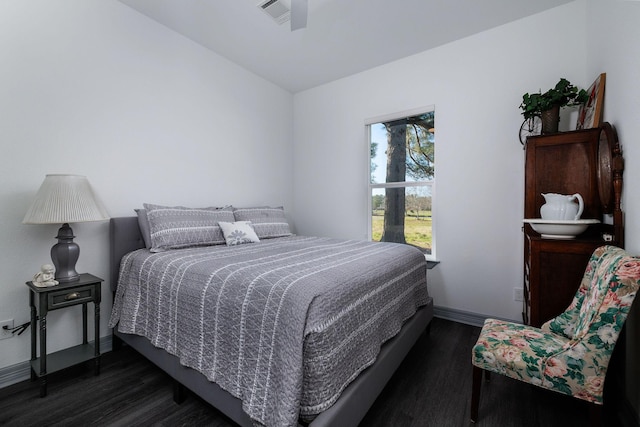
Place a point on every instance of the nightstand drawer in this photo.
(63, 298)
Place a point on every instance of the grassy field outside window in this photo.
(417, 228)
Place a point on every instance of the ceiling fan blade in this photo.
(298, 14)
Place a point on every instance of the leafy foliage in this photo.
(373, 151)
(563, 94)
(420, 158)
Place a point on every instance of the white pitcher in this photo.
(562, 207)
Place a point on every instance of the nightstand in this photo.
(42, 300)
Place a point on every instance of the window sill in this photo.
(431, 264)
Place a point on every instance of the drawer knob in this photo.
(71, 296)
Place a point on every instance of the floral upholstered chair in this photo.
(571, 352)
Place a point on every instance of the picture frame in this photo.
(590, 113)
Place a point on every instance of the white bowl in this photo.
(557, 229)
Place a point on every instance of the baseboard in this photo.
(22, 371)
(461, 316)
(14, 374)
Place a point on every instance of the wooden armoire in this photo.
(588, 162)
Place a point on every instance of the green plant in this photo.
(563, 94)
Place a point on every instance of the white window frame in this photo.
(431, 183)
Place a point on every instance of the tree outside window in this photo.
(401, 180)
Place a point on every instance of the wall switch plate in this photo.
(517, 294)
(6, 333)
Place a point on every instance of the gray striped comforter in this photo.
(284, 324)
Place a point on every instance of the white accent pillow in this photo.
(239, 232)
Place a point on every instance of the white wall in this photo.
(613, 48)
(476, 85)
(94, 88)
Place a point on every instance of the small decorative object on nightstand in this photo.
(44, 299)
(45, 277)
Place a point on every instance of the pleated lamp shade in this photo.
(65, 199)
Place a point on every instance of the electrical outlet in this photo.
(6, 333)
(517, 294)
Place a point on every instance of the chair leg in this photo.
(595, 415)
(475, 392)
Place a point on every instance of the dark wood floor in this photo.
(431, 388)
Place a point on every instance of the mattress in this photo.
(284, 325)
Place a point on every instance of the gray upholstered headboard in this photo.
(124, 237)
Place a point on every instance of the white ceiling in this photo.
(342, 37)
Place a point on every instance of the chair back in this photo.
(565, 323)
(606, 303)
(598, 312)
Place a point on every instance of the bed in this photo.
(292, 387)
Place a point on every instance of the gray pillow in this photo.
(267, 222)
(143, 223)
(175, 227)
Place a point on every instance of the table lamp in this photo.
(65, 199)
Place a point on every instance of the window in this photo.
(402, 178)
